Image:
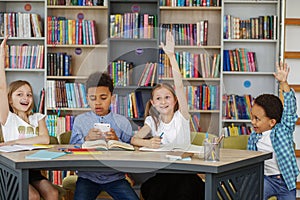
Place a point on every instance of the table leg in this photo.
(241, 183)
(13, 183)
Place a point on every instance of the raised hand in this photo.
(282, 72)
(169, 47)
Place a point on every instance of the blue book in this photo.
(45, 155)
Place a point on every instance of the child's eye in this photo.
(103, 98)
(92, 98)
(158, 98)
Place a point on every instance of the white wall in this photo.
(292, 43)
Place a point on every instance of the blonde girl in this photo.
(21, 126)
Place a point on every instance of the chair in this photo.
(197, 138)
(235, 142)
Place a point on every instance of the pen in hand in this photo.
(162, 134)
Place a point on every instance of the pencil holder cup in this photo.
(211, 151)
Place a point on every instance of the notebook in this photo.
(19, 147)
(45, 155)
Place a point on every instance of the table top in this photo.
(135, 161)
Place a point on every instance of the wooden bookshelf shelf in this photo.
(292, 55)
(292, 21)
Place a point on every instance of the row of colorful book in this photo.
(133, 25)
(62, 31)
(59, 64)
(236, 106)
(130, 105)
(195, 122)
(202, 97)
(121, 72)
(22, 25)
(59, 124)
(261, 27)
(240, 60)
(66, 95)
(191, 65)
(25, 57)
(186, 34)
(236, 130)
(148, 75)
(75, 2)
(190, 3)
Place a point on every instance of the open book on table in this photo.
(109, 145)
(181, 148)
(19, 147)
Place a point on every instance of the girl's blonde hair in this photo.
(13, 86)
(151, 111)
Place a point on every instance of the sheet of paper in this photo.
(18, 147)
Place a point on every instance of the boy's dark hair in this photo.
(272, 106)
(100, 79)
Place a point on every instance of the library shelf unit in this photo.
(135, 44)
(209, 118)
(34, 74)
(87, 55)
(263, 41)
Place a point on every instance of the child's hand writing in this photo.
(169, 47)
(154, 142)
(282, 72)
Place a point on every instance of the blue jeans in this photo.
(275, 186)
(89, 190)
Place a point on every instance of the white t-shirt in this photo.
(264, 144)
(175, 132)
(16, 128)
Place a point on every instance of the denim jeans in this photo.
(89, 190)
(275, 186)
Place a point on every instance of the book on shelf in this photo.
(109, 145)
(40, 107)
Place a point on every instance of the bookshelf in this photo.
(193, 55)
(73, 54)
(132, 46)
(260, 35)
(23, 39)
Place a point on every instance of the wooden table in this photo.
(238, 174)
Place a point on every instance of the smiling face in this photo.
(99, 99)
(164, 101)
(21, 99)
(260, 121)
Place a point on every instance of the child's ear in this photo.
(151, 101)
(113, 99)
(272, 123)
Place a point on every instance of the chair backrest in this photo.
(198, 137)
(236, 142)
(64, 138)
(53, 140)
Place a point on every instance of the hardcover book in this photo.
(109, 145)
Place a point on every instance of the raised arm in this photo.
(4, 108)
(169, 50)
